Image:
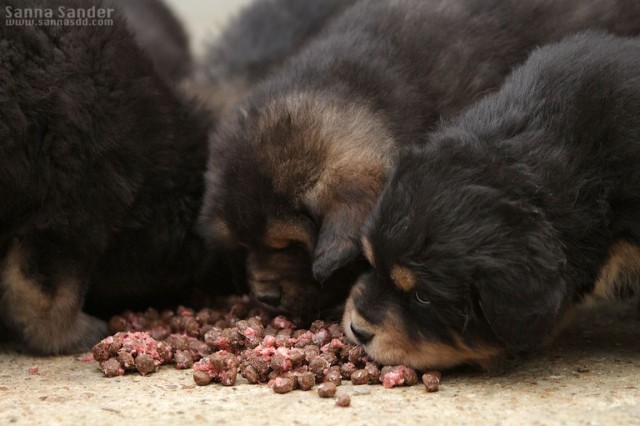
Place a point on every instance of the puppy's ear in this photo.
(522, 297)
(338, 240)
(521, 317)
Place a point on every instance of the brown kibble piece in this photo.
(145, 364)
(306, 380)
(251, 374)
(117, 324)
(183, 360)
(334, 377)
(311, 352)
(101, 351)
(282, 385)
(347, 369)
(201, 378)
(411, 377)
(355, 354)
(431, 380)
(111, 368)
(317, 367)
(317, 325)
(374, 372)
(126, 360)
(343, 400)
(360, 377)
(296, 356)
(327, 390)
(330, 358)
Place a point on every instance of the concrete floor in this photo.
(546, 389)
(591, 376)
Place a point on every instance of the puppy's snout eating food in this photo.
(271, 299)
(362, 337)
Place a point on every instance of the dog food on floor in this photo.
(236, 337)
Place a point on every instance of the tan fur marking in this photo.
(391, 345)
(221, 231)
(403, 278)
(367, 249)
(353, 142)
(359, 152)
(50, 323)
(281, 233)
(621, 273)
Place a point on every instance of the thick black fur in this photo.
(264, 35)
(411, 62)
(256, 43)
(507, 214)
(100, 170)
(161, 35)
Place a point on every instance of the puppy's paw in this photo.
(89, 331)
(61, 338)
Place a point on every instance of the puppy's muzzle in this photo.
(363, 337)
(271, 299)
(266, 291)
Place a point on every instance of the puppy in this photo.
(297, 168)
(161, 35)
(486, 237)
(254, 44)
(101, 179)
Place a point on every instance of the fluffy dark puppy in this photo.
(161, 35)
(100, 179)
(488, 235)
(296, 170)
(255, 43)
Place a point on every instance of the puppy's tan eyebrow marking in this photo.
(403, 278)
(280, 234)
(367, 249)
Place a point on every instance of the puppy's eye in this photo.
(422, 298)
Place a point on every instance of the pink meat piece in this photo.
(87, 358)
(321, 337)
(250, 333)
(395, 377)
(280, 322)
(333, 346)
(268, 341)
(221, 367)
(304, 339)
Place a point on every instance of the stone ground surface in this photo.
(590, 376)
(604, 344)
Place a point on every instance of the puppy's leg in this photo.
(45, 315)
(620, 276)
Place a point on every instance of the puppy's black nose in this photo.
(271, 299)
(362, 336)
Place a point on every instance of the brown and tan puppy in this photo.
(296, 169)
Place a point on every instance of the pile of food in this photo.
(238, 338)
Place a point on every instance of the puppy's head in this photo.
(291, 179)
(463, 270)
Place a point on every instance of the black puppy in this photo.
(255, 43)
(297, 168)
(100, 178)
(485, 237)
